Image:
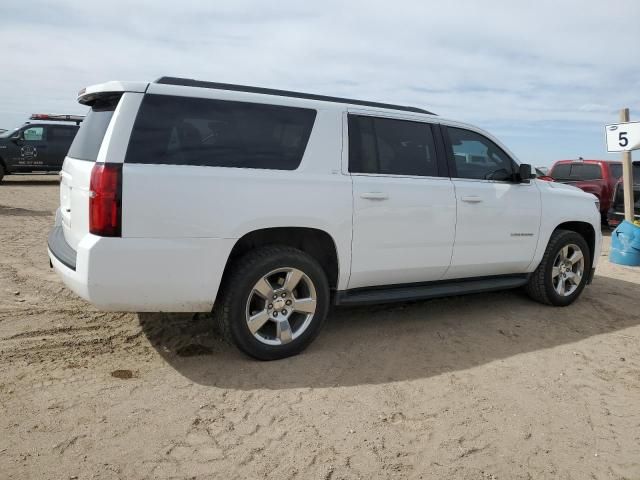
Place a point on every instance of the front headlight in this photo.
(597, 202)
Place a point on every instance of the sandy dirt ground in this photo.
(489, 386)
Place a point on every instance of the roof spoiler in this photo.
(89, 95)
(57, 117)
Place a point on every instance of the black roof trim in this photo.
(187, 82)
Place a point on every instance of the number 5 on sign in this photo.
(623, 137)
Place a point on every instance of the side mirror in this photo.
(17, 138)
(524, 173)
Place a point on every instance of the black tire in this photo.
(2, 172)
(231, 304)
(540, 286)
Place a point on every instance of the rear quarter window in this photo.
(218, 133)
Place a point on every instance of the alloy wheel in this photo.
(281, 306)
(568, 270)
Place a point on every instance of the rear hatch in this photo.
(76, 170)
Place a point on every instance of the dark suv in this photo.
(616, 212)
(37, 147)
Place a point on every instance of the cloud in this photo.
(516, 68)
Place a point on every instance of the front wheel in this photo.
(273, 302)
(563, 271)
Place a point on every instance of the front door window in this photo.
(477, 157)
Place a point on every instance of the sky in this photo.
(544, 76)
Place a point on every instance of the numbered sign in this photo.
(622, 137)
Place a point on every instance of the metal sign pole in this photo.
(627, 175)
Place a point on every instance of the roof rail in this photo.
(57, 117)
(187, 82)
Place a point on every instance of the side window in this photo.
(34, 134)
(61, 133)
(391, 147)
(477, 157)
(217, 133)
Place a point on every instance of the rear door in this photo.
(404, 208)
(59, 140)
(498, 219)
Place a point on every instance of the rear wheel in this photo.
(2, 172)
(563, 271)
(273, 302)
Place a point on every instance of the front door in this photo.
(498, 218)
(31, 151)
(404, 208)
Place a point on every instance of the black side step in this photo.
(421, 291)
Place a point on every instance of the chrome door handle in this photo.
(374, 195)
(471, 199)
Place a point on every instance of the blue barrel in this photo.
(625, 245)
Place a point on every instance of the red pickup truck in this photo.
(593, 176)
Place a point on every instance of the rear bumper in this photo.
(60, 249)
(142, 275)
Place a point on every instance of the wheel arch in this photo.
(315, 242)
(584, 229)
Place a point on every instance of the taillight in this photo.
(105, 200)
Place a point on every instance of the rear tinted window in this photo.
(590, 172)
(561, 172)
(576, 172)
(217, 133)
(391, 147)
(86, 143)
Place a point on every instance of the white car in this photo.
(268, 206)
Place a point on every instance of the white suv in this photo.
(267, 206)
